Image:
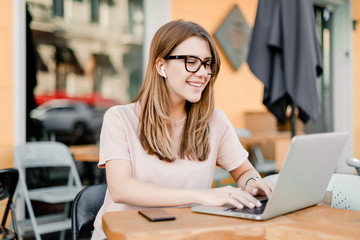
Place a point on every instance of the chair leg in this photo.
(62, 235)
(14, 222)
(32, 217)
(66, 212)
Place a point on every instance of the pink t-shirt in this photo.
(119, 139)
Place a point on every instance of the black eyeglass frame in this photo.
(186, 57)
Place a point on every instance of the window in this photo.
(58, 8)
(95, 11)
(136, 17)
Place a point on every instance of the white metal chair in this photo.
(345, 190)
(263, 166)
(46, 155)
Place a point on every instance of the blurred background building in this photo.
(87, 48)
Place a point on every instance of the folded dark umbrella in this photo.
(285, 55)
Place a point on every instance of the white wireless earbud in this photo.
(163, 72)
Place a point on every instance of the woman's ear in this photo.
(160, 68)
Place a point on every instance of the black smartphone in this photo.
(155, 215)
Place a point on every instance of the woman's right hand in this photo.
(228, 195)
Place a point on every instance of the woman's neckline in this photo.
(179, 123)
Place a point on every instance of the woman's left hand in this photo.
(259, 187)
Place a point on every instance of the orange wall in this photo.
(6, 86)
(235, 91)
(356, 77)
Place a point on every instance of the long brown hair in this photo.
(156, 125)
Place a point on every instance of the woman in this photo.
(162, 149)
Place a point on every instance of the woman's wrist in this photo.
(247, 177)
(195, 196)
(251, 179)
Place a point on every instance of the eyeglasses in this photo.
(193, 64)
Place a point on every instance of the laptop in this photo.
(302, 181)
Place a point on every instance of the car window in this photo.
(67, 109)
(61, 109)
(53, 110)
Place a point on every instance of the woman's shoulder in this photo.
(219, 120)
(219, 116)
(121, 110)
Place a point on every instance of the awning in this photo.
(103, 61)
(48, 38)
(40, 64)
(67, 55)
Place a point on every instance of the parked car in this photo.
(70, 121)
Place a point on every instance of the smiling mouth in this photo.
(195, 84)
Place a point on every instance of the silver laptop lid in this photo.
(306, 172)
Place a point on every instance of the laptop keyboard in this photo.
(255, 210)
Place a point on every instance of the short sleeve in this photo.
(231, 153)
(113, 140)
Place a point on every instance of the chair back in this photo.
(46, 154)
(85, 208)
(8, 181)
